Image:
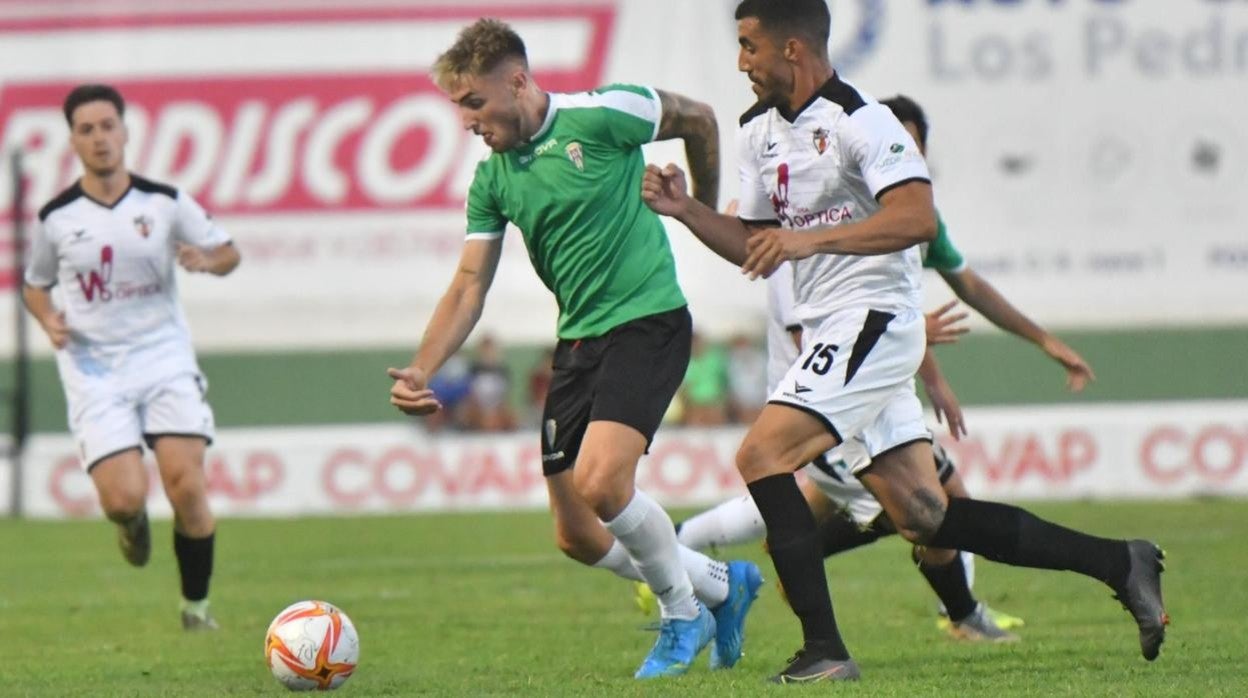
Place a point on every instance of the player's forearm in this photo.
(457, 313)
(884, 232)
(38, 303)
(975, 291)
(724, 235)
(223, 259)
(702, 153)
(695, 123)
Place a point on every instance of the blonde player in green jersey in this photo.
(566, 170)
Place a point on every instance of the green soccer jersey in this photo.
(940, 254)
(574, 191)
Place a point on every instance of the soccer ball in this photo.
(311, 645)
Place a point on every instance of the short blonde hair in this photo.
(480, 48)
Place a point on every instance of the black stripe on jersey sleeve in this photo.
(767, 223)
(753, 112)
(900, 182)
(61, 200)
(147, 185)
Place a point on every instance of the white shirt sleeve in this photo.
(883, 149)
(780, 300)
(41, 270)
(193, 225)
(754, 204)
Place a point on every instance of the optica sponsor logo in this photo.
(286, 130)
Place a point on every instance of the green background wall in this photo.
(322, 387)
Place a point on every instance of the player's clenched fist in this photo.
(410, 393)
(664, 190)
(770, 247)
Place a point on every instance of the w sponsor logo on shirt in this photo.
(95, 283)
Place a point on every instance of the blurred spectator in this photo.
(451, 385)
(705, 390)
(747, 379)
(486, 407)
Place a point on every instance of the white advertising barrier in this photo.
(1160, 450)
(1082, 149)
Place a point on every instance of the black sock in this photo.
(949, 583)
(1005, 533)
(794, 547)
(840, 533)
(194, 563)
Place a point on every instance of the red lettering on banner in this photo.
(402, 475)
(277, 140)
(679, 467)
(1025, 456)
(1216, 454)
(68, 498)
(262, 473)
(332, 479)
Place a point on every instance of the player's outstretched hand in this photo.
(768, 248)
(945, 405)
(664, 190)
(1078, 372)
(410, 393)
(193, 259)
(56, 328)
(943, 327)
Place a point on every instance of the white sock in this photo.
(708, 576)
(617, 561)
(734, 521)
(645, 531)
(195, 608)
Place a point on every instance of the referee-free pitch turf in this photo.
(476, 604)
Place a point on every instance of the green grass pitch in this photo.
(477, 604)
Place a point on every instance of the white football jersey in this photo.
(115, 268)
(828, 165)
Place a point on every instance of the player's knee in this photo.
(121, 504)
(921, 518)
(186, 494)
(754, 461)
(600, 486)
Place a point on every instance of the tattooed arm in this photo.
(694, 122)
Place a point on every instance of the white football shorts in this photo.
(107, 418)
(857, 365)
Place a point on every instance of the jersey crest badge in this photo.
(820, 139)
(576, 155)
(143, 225)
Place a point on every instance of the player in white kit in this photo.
(108, 245)
(848, 516)
(831, 181)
